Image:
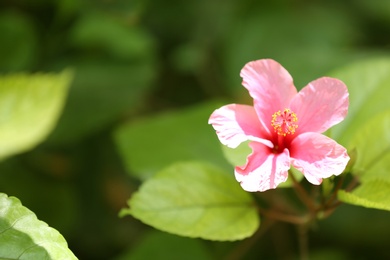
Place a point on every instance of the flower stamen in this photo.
(284, 122)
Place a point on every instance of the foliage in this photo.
(30, 106)
(181, 136)
(195, 200)
(372, 164)
(29, 100)
(23, 236)
(103, 102)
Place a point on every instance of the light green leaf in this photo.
(372, 143)
(379, 170)
(371, 194)
(23, 236)
(368, 85)
(196, 200)
(153, 143)
(29, 108)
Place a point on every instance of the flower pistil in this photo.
(284, 122)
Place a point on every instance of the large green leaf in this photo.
(366, 130)
(371, 194)
(379, 169)
(29, 108)
(23, 236)
(151, 144)
(368, 85)
(196, 200)
(372, 143)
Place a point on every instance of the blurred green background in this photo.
(134, 59)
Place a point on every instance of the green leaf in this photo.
(160, 245)
(368, 85)
(150, 144)
(372, 143)
(23, 236)
(378, 170)
(196, 200)
(29, 108)
(237, 157)
(371, 194)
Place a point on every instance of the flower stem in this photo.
(276, 215)
(333, 198)
(303, 241)
(302, 194)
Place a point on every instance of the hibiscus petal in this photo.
(264, 170)
(317, 156)
(270, 86)
(235, 124)
(320, 105)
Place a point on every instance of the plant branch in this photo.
(302, 194)
(276, 215)
(303, 241)
(333, 198)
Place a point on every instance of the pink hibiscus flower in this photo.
(284, 127)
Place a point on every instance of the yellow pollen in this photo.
(284, 122)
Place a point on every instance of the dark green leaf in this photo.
(151, 144)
